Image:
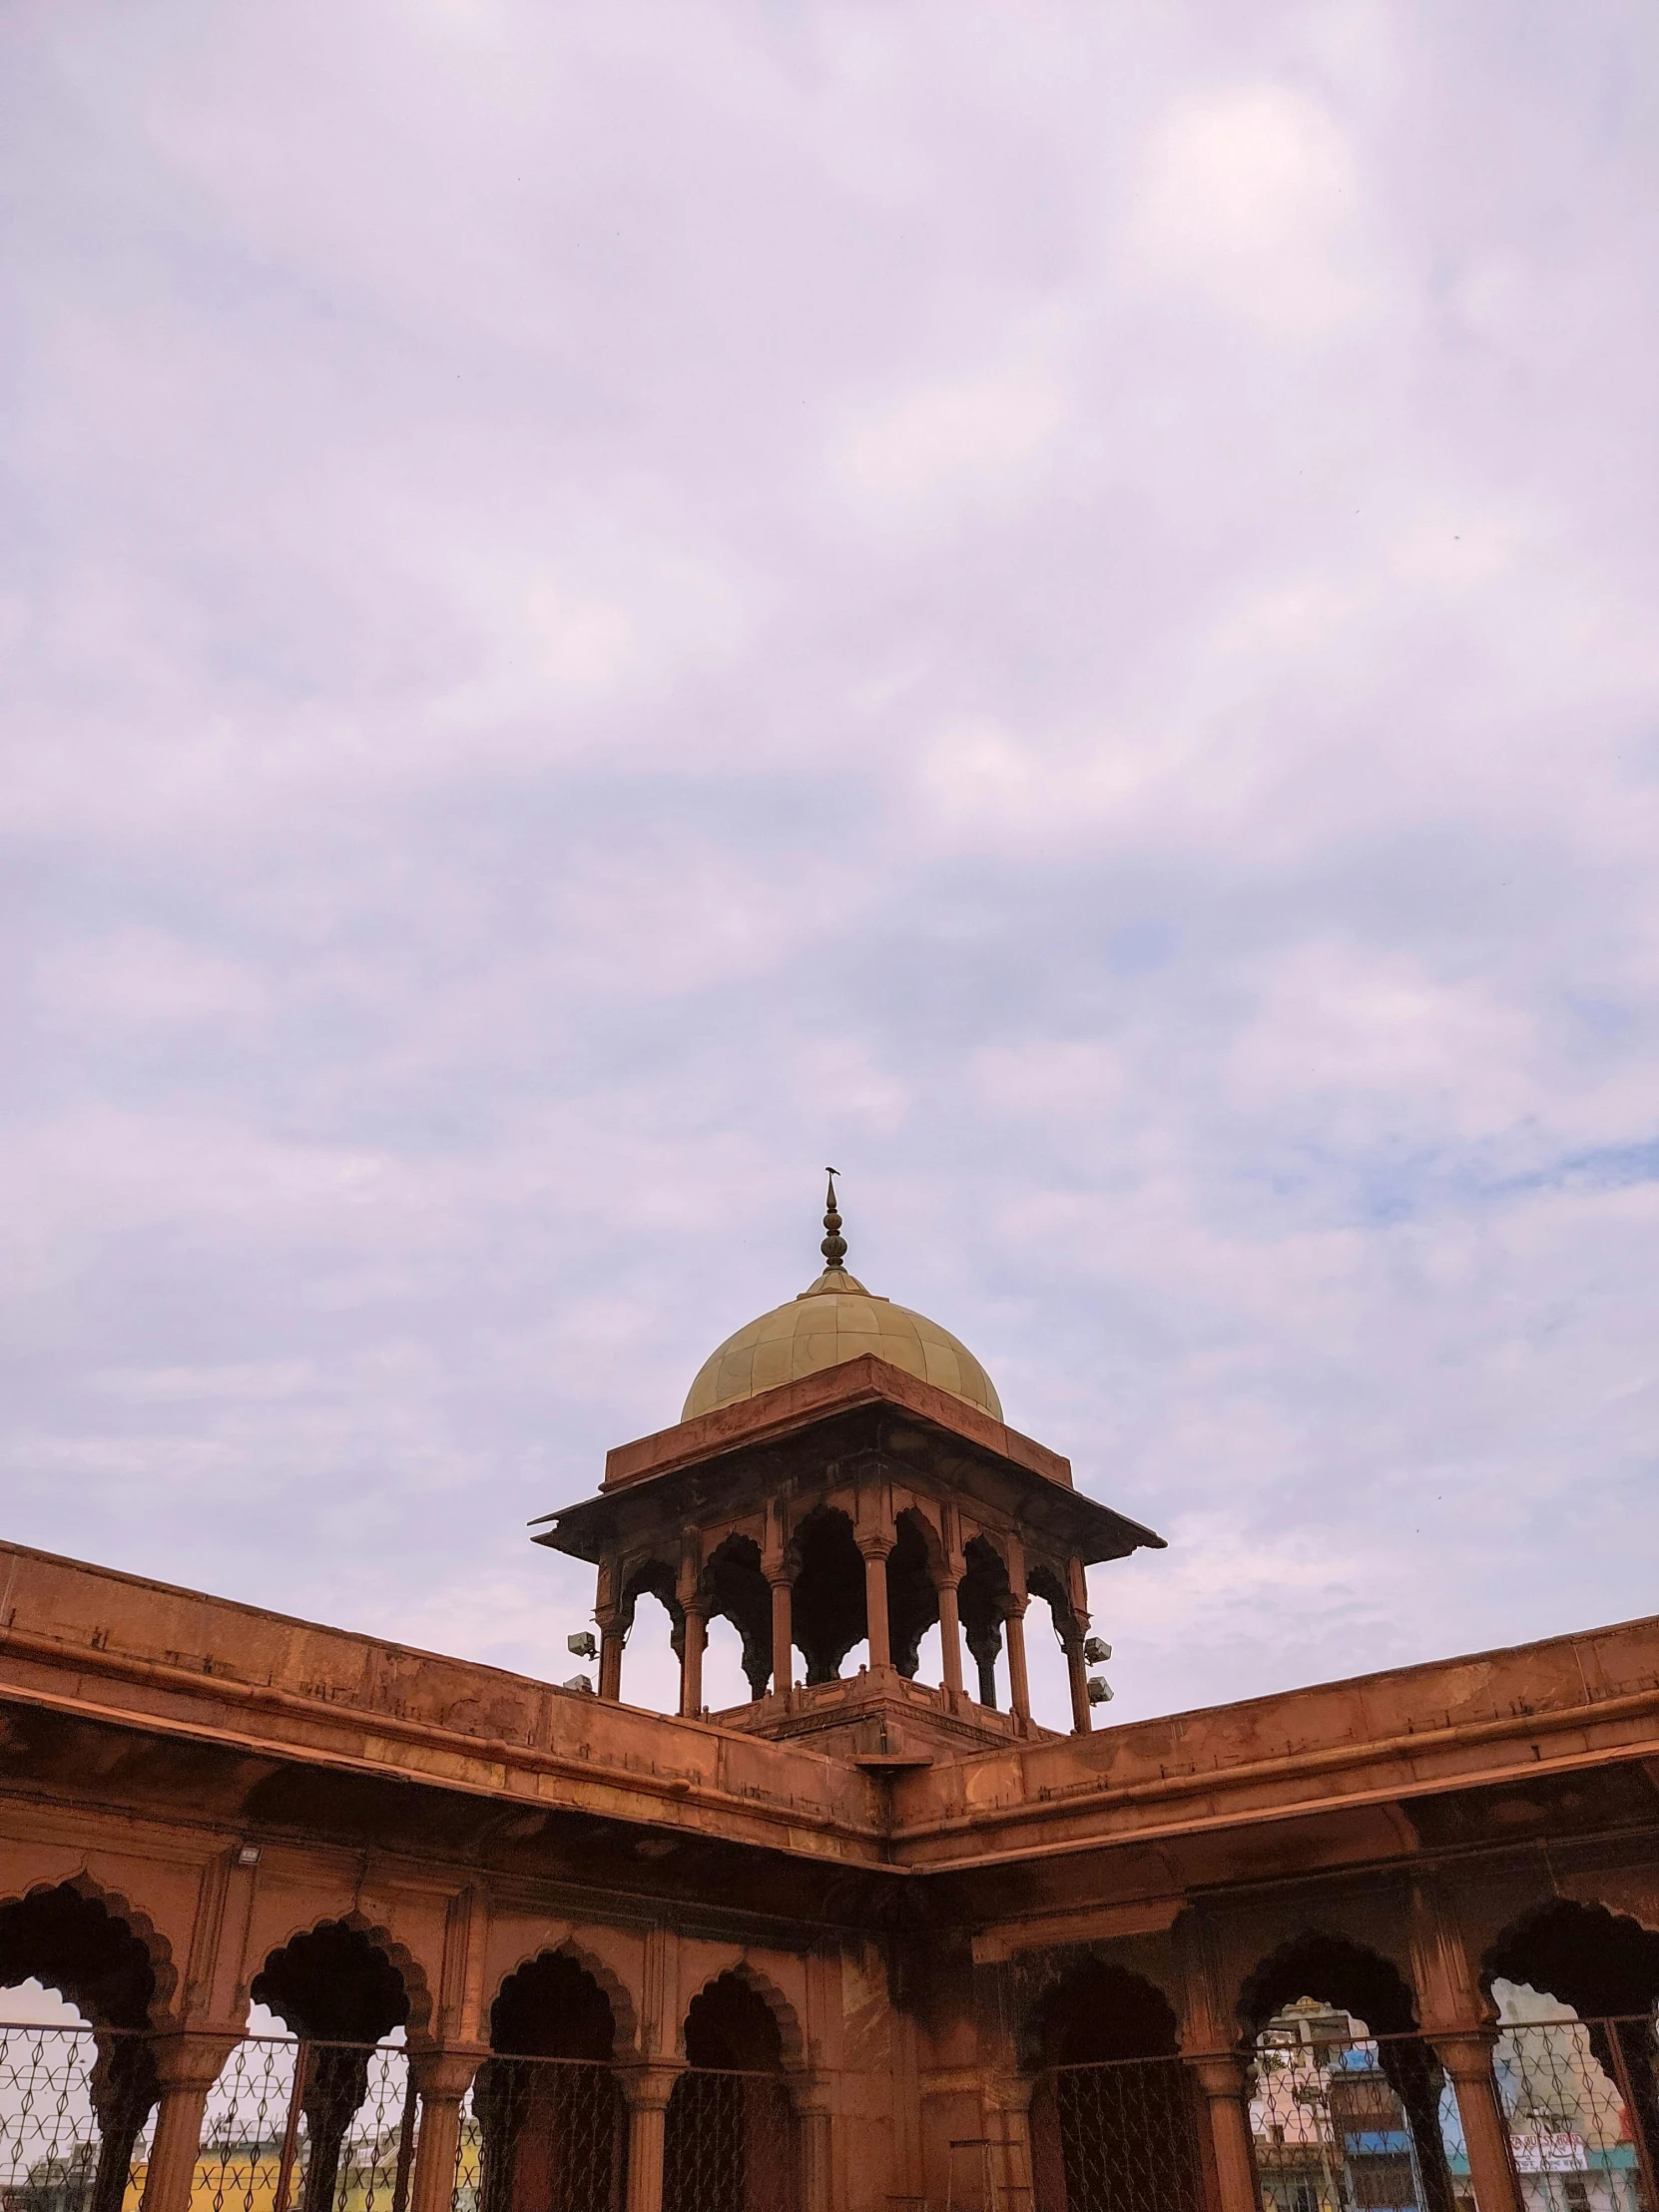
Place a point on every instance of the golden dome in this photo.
(836, 1319)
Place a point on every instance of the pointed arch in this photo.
(1367, 1986)
(1601, 1962)
(916, 1566)
(983, 1597)
(1103, 2042)
(650, 1576)
(734, 1589)
(827, 1609)
(617, 1997)
(139, 1978)
(743, 1971)
(415, 2015)
(1045, 1581)
(1096, 2012)
(1321, 1962)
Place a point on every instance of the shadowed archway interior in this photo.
(1114, 2118)
(75, 1944)
(336, 1988)
(551, 2120)
(829, 1609)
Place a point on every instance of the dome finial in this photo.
(833, 1246)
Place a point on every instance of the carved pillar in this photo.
(647, 2087)
(337, 2081)
(783, 1636)
(124, 2092)
(1467, 2059)
(1077, 1675)
(951, 1638)
(1077, 1667)
(187, 2067)
(607, 1613)
(811, 2104)
(1019, 1685)
(1008, 2114)
(1224, 2080)
(611, 1639)
(691, 1662)
(694, 1611)
(876, 1550)
(442, 2078)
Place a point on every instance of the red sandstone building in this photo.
(860, 1943)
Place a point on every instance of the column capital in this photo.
(648, 2084)
(1223, 2075)
(811, 2093)
(447, 2072)
(875, 1543)
(1009, 2092)
(1465, 2052)
(186, 2058)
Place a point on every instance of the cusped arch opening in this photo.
(90, 1948)
(983, 1599)
(827, 1609)
(1099, 2013)
(1602, 1963)
(734, 1589)
(1336, 2022)
(336, 1982)
(914, 1567)
(740, 2021)
(553, 2007)
(1322, 1968)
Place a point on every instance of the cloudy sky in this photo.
(1053, 603)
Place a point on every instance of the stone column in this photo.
(811, 2104)
(1008, 2117)
(443, 2078)
(1077, 1674)
(1224, 2079)
(950, 1640)
(1019, 1685)
(124, 2091)
(876, 1550)
(647, 2087)
(187, 2067)
(612, 1636)
(1467, 2059)
(783, 1636)
(691, 1663)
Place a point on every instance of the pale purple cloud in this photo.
(601, 607)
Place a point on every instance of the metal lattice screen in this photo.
(1342, 2120)
(542, 2135)
(1119, 2136)
(1584, 2112)
(730, 2144)
(289, 2126)
(75, 2119)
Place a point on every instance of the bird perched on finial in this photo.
(833, 1246)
